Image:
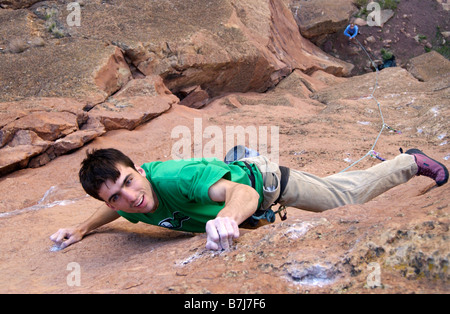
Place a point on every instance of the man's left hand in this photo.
(220, 233)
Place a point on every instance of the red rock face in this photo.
(112, 76)
(242, 50)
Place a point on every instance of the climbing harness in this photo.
(239, 152)
(285, 173)
(384, 126)
(268, 214)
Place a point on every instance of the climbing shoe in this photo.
(429, 167)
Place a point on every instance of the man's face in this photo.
(131, 193)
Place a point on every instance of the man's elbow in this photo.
(246, 194)
(253, 197)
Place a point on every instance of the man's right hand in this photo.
(220, 233)
(65, 237)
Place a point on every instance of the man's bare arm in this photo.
(241, 201)
(65, 237)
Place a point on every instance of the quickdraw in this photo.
(374, 154)
(269, 214)
(393, 130)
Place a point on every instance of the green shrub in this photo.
(386, 54)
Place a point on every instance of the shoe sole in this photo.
(418, 151)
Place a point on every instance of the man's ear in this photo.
(110, 206)
(141, 171)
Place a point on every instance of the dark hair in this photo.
(99, 166)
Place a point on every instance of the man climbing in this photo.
(212, 196)
(351, 31)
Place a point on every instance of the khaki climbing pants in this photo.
(309, 192)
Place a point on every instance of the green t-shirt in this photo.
(182, 190)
